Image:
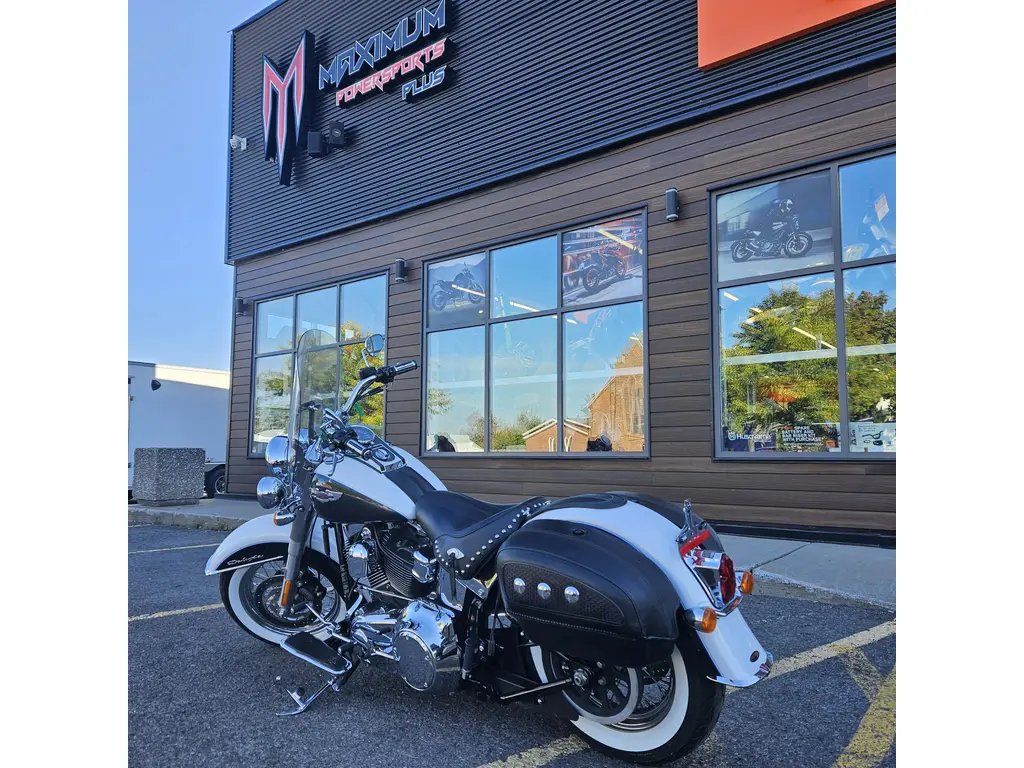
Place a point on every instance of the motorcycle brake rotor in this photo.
(267, 595)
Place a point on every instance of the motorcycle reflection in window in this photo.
(593, 269)
(778, 234)
(463, 287)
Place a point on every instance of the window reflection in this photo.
(363, 308)
(272, 389)
(870, 304)
(455, 391)
(604, 379)
(524, 370)
(318, 310)
(867, 192)
(274, 330)
(603, 262)
(779, 373)
(369, 411)
(457, 292)
(524, 278)
(775, 227)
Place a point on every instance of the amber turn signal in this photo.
(747, 583)
(709, 620)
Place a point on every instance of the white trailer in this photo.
(170, 406)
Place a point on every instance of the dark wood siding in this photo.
(853, 113)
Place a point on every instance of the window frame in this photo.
(838, 267)
(557, 311)
(295, 294)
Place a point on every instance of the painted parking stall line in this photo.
(173, 549)
(176, 612)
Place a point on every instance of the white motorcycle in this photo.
(616, 611)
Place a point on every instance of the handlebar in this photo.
(369, 376)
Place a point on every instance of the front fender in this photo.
(738, 656)
(255, 541)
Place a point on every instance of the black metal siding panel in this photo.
(537, 82)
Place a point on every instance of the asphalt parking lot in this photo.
(202, 692)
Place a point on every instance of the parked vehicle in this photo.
(171, 406)
(463, 287)
(779, 235)
(594, 268)
(616, 611)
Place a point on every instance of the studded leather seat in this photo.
(469, 531)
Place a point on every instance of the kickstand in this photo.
(298, 693)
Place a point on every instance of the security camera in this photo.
(238, 143)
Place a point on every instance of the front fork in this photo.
(296, 549)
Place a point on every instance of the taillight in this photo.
(727, 579)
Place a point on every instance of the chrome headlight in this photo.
(270, 492)
(278, 452)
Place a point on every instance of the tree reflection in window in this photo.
(780, 389)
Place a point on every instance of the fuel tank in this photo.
(357, 491)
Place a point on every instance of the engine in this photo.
(417, 634)
(406, 557)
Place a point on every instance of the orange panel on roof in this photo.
(728, 29)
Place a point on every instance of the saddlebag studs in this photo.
(544, 591)
(519, 586)
(572, 595)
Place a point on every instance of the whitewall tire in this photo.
(691, 716)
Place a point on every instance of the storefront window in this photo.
(455, 391)
(332, 370)
(457, 292)
(604, 379)
(524, 278)
(788, 383)
(867, 191)
(559, 379)
(603, 262)
(275, 325)
(775, 227)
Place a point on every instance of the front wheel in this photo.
(676, 708)
(798, 244)
(251, 595)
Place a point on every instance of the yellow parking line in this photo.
(831, 650)
(171, 549)
(877, 731)
(162, 614)
(538, 756)
(864, 673)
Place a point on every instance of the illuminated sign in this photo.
(286, 107)
(409, 31)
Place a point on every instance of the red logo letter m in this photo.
(286, 108)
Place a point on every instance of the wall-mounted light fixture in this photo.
(401, 271)
(316, 146)
(241, 306)
(336, 133)
(238, 143)
(671, 204)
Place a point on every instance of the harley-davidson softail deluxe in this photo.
(616, 611)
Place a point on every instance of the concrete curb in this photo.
(158, 516)
(817, 589)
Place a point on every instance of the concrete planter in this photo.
(169, 476)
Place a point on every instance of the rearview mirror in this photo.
(374, 345)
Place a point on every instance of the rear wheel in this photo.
(251, 596)
(676, 706)
(591, 279)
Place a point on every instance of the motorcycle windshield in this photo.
(315, 380)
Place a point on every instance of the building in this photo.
(612, 236)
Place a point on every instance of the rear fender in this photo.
(255, 541)
(736, 654)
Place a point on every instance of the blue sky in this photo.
(179, 289)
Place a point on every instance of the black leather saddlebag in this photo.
(625, 607)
